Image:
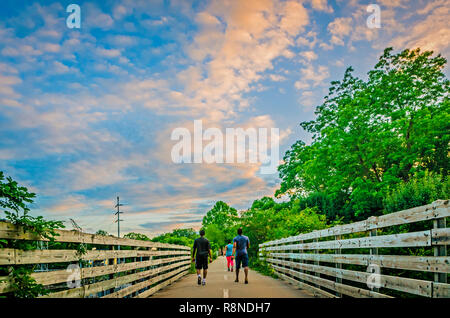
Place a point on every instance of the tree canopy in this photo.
(222, 218)
(370, 135)
(178, 236)
(137, 236)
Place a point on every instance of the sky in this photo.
(87, 113)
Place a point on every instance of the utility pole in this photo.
(118, 205)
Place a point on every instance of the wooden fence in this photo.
(111, 267)
(395, 255)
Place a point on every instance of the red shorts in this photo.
(229, 261)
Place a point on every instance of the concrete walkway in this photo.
(220, 283)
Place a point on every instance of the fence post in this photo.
(440, 250)
(111, 276)
(301, 262)
(374, 251)
(316, 262)
(338, 266)
(280, 258)
(136, 271)
(290, 260)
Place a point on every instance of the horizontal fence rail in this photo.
(85, 265)
(394, 255)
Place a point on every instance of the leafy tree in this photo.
(102, 232)
(14, 197)
(332, 206)
(137, 236)
(15, 200)
(221, 214)
(420, 190)
(216, 236)
(187, 233)
(181, 237)
(224, 217)
(268, 220)
(178, 236)
(370, 135)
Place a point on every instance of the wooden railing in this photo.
(112, 267)
(379, 257)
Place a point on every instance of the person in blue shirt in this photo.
(240, 245)
(229, 254)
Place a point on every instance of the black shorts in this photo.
(241, 258)
(201, 262)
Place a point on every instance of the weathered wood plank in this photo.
(154, 289)
(98, 287)
(134, 288)
(60, 276)
(18, 257)
(316, 291)
(408, 285)
(413, 239)
(10, 231)
(338, 230)
(435, 210)
(417, 263)
(7, 256)
(94, 288)
(441, 290)
(280, 252)
(440, 236)
(332, 285)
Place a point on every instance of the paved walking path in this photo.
(220, 283)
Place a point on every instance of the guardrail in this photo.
(113, 267)
(349, 259)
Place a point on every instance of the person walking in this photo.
(229, 255)
(200, 253)
(240, 245)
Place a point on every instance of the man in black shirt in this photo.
(200, 253)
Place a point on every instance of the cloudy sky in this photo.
(87, 114)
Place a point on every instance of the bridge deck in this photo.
(220, 283)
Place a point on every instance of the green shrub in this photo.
(420, 190)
